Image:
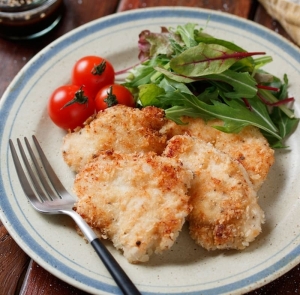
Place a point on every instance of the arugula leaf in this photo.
(284, 124)
(209, 94)
(234, 114)
(283, 87)
(243, 84)
(260, 111)
(170, 85)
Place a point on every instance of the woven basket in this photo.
(288, 15)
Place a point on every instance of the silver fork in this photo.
(54, 199)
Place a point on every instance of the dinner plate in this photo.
(187, 268)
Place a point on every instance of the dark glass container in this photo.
(27, 19)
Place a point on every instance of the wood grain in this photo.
(38, 281)
(241, 8)
(287, 284)
(13, 263)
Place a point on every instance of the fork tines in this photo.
(38, 180)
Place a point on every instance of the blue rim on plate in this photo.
(7, 214)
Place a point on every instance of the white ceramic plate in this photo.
(186, 269)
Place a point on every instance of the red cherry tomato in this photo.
(70, 105)
(93, 72)
(111, 95)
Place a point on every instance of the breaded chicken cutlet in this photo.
(249, 146)
(139, 201)
(225, 212)
(118, 128)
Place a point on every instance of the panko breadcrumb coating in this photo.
(249, 146)
(225, 212)
(120, 128)
(139, 201)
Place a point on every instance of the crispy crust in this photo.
(139, 201)
(249, 147)
(119, 128)
(225, 212)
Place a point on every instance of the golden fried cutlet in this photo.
(249, 146)
(139, 201)
(225, 212)
(118, 128)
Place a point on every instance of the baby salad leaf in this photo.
(246, 64)
(206, 59)
(186, 33)
(202, 37)
(152, 44)
(149, 93)
(159, 44)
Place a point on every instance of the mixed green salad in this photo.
(190, 73)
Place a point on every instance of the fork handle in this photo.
(120, 277)
(118, 274)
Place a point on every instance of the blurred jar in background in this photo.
(28, 19)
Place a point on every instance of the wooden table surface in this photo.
(18, 273)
